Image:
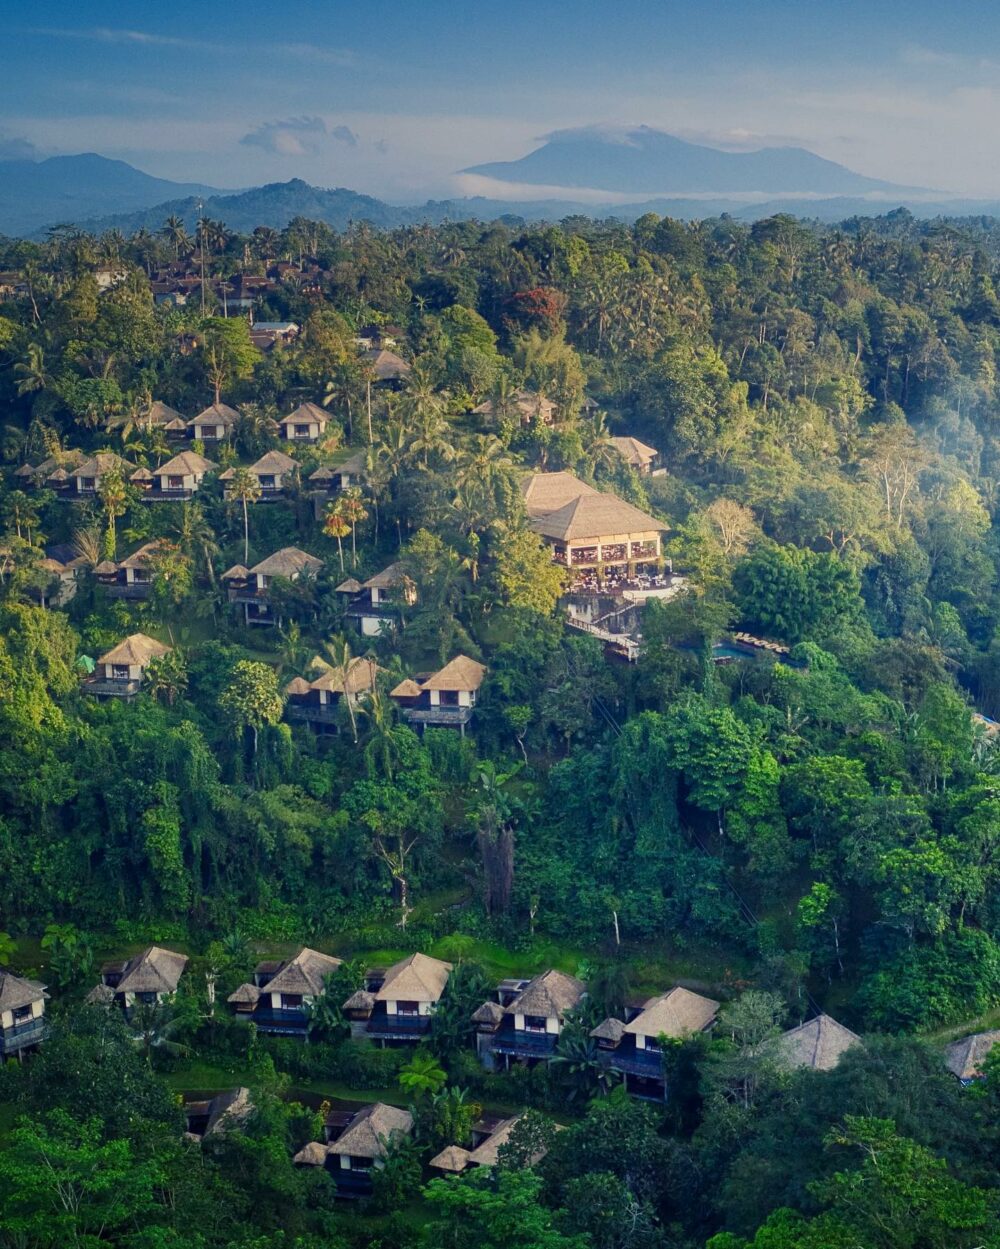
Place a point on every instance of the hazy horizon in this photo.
(395, 103)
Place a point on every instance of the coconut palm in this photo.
(336, 525)
(423, 1075)
(354, 512)
(338, 650)
(176, 235)
(31, 373)
(114, 495)
(166, 677)
(245, 487)
(152, 1025)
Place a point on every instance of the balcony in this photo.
(173, 495)
(278, 1022)
(319, 713)
(647, 1063)
(522, 1044)
(129, 589)
(102, 687)
(21, 1036)
(351, 1184)
(398, 1027)
(443, 717)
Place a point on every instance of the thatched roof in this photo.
(675, 1014)
(216, 414)
(100, 995)
(161, 414)
(141, 474)
(155, 970)
(965, 1057)
(105, 568)
(60, 474)
(304, 974)
(188, 463)
(461, 673)
(595, 516)
(297, 686)
(238, 572)
(273, 462)
(527, 402)
(394, 575)
(452, 1158)
(547, 492)
(103, 462)
(634, 452)
(609, 1029)
(16, 992)
(386, 365)
(361, 999)
(818, 1043)
(360, 677)
(228, 1110)
(307, 414)
(323, 473)
(311, 1155)
(246, 995)
(288, 562)
(137, 649)
(407, 688)
(350, 586)
(372, 1129)
(487, 1154)
(489, 1012)
(141, 557)
(417, 978)
(551, 994)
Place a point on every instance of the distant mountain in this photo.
(651, 162)
(71, 188)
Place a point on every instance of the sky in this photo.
(395, 98)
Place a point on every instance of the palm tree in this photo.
(114, 496)
(31, 373)
(257, 428)
(354, 512)
(245, 487)
(166, 677)
(339, 651)
(176, 235)
(597, 443)
(88, 543)
(422, 1075)
(336, 525)
(382, 749)
(152, 1025)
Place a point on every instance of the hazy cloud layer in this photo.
(16, 147)
(298, 136)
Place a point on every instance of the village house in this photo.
(180, 477)
(58, 572)
(374, 337)
(445, 699)
(272, 472)
(22, 1015)
(319, 702)
(162, 416)
(376, 604)
(84, 481)
(205, 1119)
(529, 406)
(132, 578)
(598, 532)
(354, 1150)
(489, 1135)
(818, 1044)
(266, 335)
(387, 369)
(632, 1048)
(281, 993)
(637, 455)
(329, 481)
(964, 1058)
(251, 587)
(214, 424)
(531, 1017)
(306, 424)
(120, 672)
(396, 1005)
(146, 979)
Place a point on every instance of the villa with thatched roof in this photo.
(443, 699)
(120, 671)
(132, 577)
(318, 702)
(251, 587)
(632, 1048)
(162, 416)
(180, 477)
(399, 1002)
(527, 406)
(22, 1014)
(532, 1020)
(636, 455)
(272, 473)
(818, 1044)
(144, 979)
(328, 481)
(387, 369)
(214, 423)
(964, 1058)
(55, 471)
(215, 1116)
(84, 481)
(359, 1146)
(374, 605)
(306, 424)
(281, 993)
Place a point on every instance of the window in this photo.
(534, 1023)
(22, 1014)
(147, 999)
(408, 1008)
(175, 483)
(360, 1164)
(301, 431)
(449, 698)
(291, 1001)
(119, 672)
(86, 484)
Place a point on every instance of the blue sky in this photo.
(393, 98)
